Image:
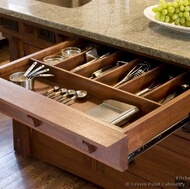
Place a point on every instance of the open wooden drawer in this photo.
(71, 123)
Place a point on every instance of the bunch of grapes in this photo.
(177, 12)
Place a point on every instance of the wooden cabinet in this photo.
(26, 38)
(67, 136)
(29, 49)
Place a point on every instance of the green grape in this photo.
(159, 8)
(175, 4)
(187, 8)
(167, 19)
(157, 16)
(163, 5)
(187, 23)
(175, 16)
(182, 20)
(182, 8)
(164, 11)
(171, 9)
(177, 10)
(188, 18)
(162, 18)
(176, 22)
(162, 1)
(169, 4)
(180, 2)
(186, 14)
(185, 2)
(180, 14)
(170, 14)
(154, 9)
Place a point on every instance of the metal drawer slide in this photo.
(158, 138)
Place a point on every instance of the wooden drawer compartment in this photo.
(71, 125)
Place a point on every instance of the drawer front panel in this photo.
(139, 133)
(64, 125)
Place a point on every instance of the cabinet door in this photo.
(29, 49)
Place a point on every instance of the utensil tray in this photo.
(72, 126)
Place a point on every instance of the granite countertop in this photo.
(119, 23)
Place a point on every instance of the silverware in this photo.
(54, 88)
(78, 94)
(91, 56)
(180, 89)
(106, 69)
(140, 69)
(55, 94)
(156, 83)
(69, 92)
(148, 89)
(82, 66)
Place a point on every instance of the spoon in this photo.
(69, 92)
(54, 88)
(78, 95)
(55, 94)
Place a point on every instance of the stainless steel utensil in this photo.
(44, 75)
(148, 89)
(69, 92)
(39, 72)
(114, 112)
(91, 56)
(21, 80)
(22, 76)
(29, 69)
(135, 72)
(54, 88)
(107, 69)
(156, 83)
(58, 95)
(35, 70)
(180, 89)
(61, 91)
(78, 95)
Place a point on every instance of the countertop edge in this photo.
(137, 48)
